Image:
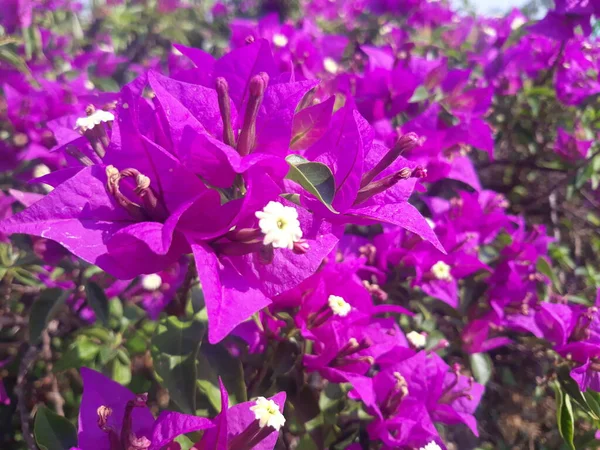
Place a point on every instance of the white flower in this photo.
(280, 225)
(517, 22)
(491, 32)
(39, 171)
(280, 40)
(339, 306)
(441, 271)
(330, 65)
(431, 446)
(267, 413)
(96, 118)
(418, 340)
(151, 282)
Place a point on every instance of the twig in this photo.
(54, 394)
(20, 390)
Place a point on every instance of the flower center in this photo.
(338, 305)
(416, 339)
(280, 225)
(152, 282)
(441, 271)
(267, 413)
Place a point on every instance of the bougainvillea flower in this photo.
(372, 183)
(111, 418)
(252, 425)
(570, 147)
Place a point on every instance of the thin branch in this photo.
(21, 391)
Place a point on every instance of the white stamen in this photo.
(330, 65)
(441, 271)
(280, 40)
(280, 225)
(418, 340)
(267, 413)
(151, 282)
(96, 118)
(338, 305)
(431, 446)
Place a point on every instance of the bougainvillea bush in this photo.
(358, 224)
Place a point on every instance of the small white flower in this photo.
(338, 305)
(418, 340)
(431, 446)
(491, 32)
(517, 22)
(39, 171)
(330, 65)
(441, 271)
(280, 225)
(151, 282)
(280, 40)
(267, 413)
(96, 118)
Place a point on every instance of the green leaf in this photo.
(53, 432)
(481, 365)
(315, 177)
(564, 417)
(215, 361)
(174, 348)
(97, 300)
(120, 367)
(43, 311)
(571, 388)
(421, 93)
(544, 267)
(83, 350)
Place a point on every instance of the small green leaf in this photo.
(120, 367)
(83, 350)
(315, 177)
(174, 348)
(421, 93)
(481, 365)
(53, 432)
(97, 300)
(43, 311)
(571, 388)
(544, 267)
(564, 417)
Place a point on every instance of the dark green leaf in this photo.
(174, 349)
(53, 432)
(315, 177)
(43, 311)
(216, 361)
(481, 365)
(97, 300)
